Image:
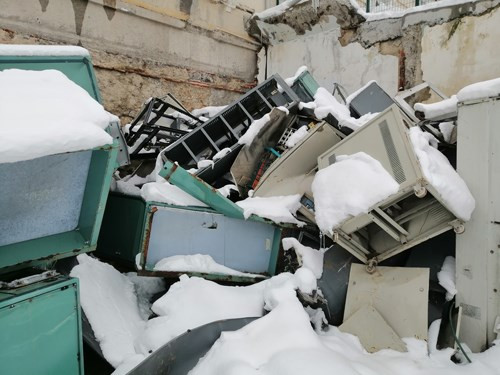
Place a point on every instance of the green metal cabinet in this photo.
(41, 329)
(89, 170)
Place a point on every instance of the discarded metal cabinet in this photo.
(181, 355)
(65, 219)
(478, 249)
(150, 231)
(305, 86)
(414, 214)
(420, 93)
(58, 216)
(372, 99)
(41, 328)
(245, 246)
(399, 296)
(293, 172)
(225, 129)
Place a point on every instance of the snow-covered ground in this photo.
(282, 341)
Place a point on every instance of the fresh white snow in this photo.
(165, 192)
(284, 343)
(480, 90)
(349, 187)
(276, 10)
(209, 111)
(297, 136)
(221, 153)
(308, 257)
(32, 50)
(434, 110)
(278, 209)
(205, 163)
(291, 80)
(192, 302)
(441, 175)
(446, 277)
(197, 263)
(110, 304)
(446, 129)
(45, 113)
(145, 288)
(253, 130)
(327, 104)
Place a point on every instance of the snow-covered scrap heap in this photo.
(288, 188)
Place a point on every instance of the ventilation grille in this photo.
(397, 169)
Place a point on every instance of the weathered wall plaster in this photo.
(450, 46)
(468, 52)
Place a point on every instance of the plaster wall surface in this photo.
(196, 49)
(458, 53)
(351, 66)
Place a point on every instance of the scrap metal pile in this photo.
(214, 197)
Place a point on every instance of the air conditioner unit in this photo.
(414, 214)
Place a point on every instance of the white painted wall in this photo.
(470, 55)
(351, 66)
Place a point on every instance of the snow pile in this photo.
(447, 128)
(284, 343)
(291, 80)
(441, 175)
(446, 277)
(480, 90)
(165, 192)
(208, 112)
(197, 263)
(308, 257)
(379, 12)
(221, 153)
(278, 209)
(255, 127)
(349, 187)
(145, 288)
(31, 50)
(226, 190)
(442, 108)
(45, 113)
(110, 304)
(350, 98)
(260, 347)
(325, 104)
(205, 163)
(192, 302)
(297, 136)
(253, 130)
(277, 10)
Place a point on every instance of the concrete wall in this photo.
(451, 46)
(196, 49)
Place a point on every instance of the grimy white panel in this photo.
(42, 196)
(478, 249)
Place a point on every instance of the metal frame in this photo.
(400, 98)
(225, 129)
(154, 110)
(102, 165)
